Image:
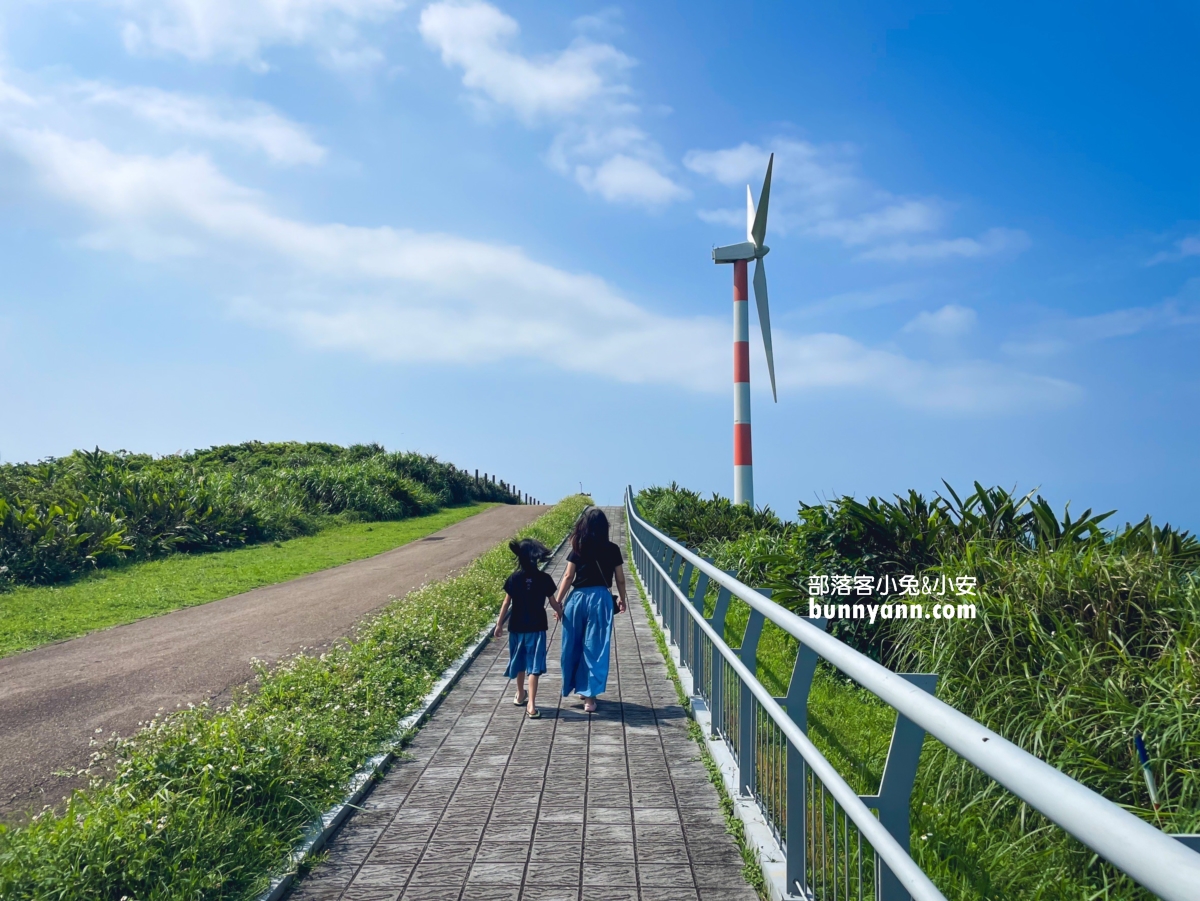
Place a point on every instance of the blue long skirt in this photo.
(586, 637)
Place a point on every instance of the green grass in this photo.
(848, 724)
(206, 804)
(30, 617)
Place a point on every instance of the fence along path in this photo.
(491, 806)
(801, 799)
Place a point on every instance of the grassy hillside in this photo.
(35, 615)
(64, 517)
(1085, 636)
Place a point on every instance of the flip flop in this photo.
(589, 706)
(536, 715)
(521, 702)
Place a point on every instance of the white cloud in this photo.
(1057, 336)
(238, 31)
(993, 241)
(11, 94)
(867, 299)
(606, 23)
(731, 166)
(825, 361)
(473, 36)
(950, 321)
(423, 296)
(816, 172)
(79, 106)
(399, 294)
(902, 218)
(818, 192)
(732, 218)
(252, 125)
(1188, 246)
(623, 178)
(580, 90)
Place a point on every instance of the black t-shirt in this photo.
(529, 592)
(597, 571)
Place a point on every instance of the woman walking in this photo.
(587, 615)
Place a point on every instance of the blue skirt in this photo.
(586, 637)
(526, 653)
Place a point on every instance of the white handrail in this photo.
(911, 876)
(1154, 859)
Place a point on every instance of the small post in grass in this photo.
(1147, 773)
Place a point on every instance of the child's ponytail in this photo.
(529, 552)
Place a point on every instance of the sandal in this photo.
(534, 714)
(521, 700)
(589, 705)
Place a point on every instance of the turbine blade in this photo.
(764, 317)
(749, 215)
(758, 231)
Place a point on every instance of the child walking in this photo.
(526, 592)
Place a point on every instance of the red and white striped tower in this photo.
(743, 462)
(752, 248)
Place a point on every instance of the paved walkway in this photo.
(491, 806)
(53, 700)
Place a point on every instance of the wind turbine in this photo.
(752, 248)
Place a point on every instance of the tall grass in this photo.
(205, 804)
(1075, 652)
(91, 509)
(1084, 637)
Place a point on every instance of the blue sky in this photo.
(483, 231)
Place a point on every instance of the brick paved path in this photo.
(494, 807)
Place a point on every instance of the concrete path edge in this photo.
(360, 784)
(759, 837)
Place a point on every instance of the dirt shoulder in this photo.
(54, 699)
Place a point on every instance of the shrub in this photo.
(65, 516)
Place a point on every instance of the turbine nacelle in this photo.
(732, 253)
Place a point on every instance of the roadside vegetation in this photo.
(1085, 636)
(35, 615)
(206, 803)
(65, 517)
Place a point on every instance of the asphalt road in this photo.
(54, 699)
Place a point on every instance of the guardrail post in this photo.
(656, 556)
(668, 611)
(689, 648)
(895, 788)
(748, 653)
(684, 582)
(796, 705)
(660, 552)
(717, 621)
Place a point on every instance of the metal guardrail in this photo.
(804, 799)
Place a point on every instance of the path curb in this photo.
(323, 828)
(363, 781)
